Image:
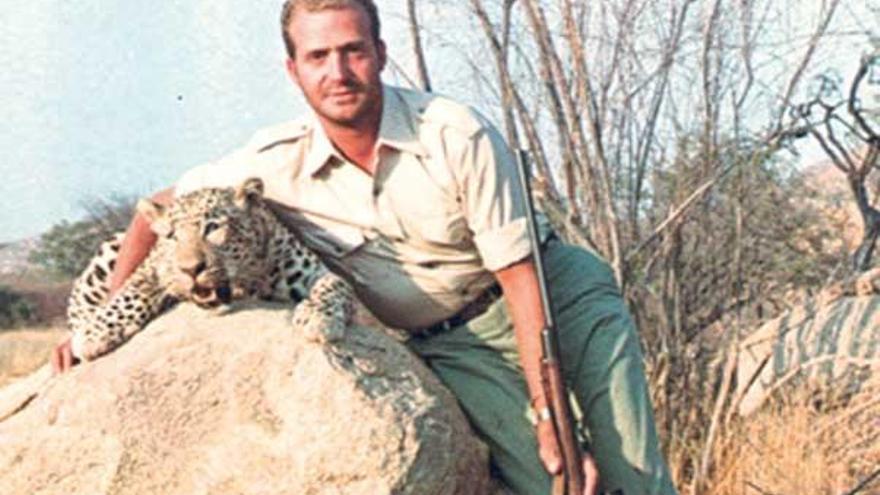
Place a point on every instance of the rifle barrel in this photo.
(524, 174)
(570, 481)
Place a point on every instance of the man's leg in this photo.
(602, 363)
(478, 362)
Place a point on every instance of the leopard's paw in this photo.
(319, 326)
(89, 348)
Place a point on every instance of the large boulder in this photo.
(833, 344)
(239, 403)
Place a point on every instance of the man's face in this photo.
(337, 65)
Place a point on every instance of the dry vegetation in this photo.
(23, 351)
(658, 131)
(806, 439)
(801, 445)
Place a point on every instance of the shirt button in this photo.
(377, 190)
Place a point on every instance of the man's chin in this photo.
(345, 117)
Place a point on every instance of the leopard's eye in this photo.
(209, 227)
(216, 233)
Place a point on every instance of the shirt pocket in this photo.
(448, 229)
(431, 215)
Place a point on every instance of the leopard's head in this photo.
(213, 243)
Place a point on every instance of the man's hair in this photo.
(292, 7)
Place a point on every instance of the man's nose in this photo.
(339, 67)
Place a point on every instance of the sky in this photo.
(114, 97)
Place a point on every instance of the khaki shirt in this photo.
(419, 239)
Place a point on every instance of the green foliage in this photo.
(67, 247)
(751, 239)
(15, 309)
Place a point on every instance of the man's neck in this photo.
(357, 145)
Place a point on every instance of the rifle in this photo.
(570, 481)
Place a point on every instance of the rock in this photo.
(243, 404)
(835, 343)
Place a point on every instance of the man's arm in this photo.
(136, 245)
(519, 282)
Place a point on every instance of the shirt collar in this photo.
(397, 130)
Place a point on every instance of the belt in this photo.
(473, 309)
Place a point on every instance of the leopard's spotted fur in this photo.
(215, 245)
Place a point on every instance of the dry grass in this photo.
(803, 442)
(23, 351)
(797, 446)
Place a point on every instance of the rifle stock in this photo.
(571, 480)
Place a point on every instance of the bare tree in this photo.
(654, 126)
(844, 129)
(421, 63)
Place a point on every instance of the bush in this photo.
(67, 247)
(15, 309)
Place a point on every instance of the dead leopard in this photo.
(215, 245)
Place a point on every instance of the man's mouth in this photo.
(345, 94)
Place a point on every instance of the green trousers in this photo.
(602, 365)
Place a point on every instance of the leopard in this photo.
(214, 247)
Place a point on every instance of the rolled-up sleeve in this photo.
(228, 171)
(493, 200)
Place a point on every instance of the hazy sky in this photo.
(112, 96)
(118, 96)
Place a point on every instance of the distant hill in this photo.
(14, 257)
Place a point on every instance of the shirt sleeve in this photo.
(493, 200)
(228, 171)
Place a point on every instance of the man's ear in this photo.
(382, 54)
(290, 65)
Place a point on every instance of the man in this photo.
(414, 200)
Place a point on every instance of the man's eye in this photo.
(356, 51)
(317, 56)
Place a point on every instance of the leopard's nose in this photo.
(224, 294)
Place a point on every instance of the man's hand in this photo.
(520, 285)
(548, 451)
(62, 357)
(139, 239)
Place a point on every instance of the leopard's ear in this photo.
(249, 192)
(155, 215)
